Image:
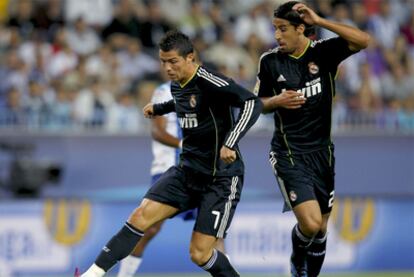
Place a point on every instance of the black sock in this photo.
(316, 254)
(120, 246)
(219, 266)
(300, 243)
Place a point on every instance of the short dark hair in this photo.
(286, 12)
(176, 40)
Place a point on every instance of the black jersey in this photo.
(204, 110)
(309, 127)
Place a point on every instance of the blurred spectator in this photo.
(228, 53)
(218, 18)
(384, 25)
(95, 12)
(255, 47)
(406, 114)
(47, 63)
(134, 64)
(49, 18)
(238, 7)
(323, 8)
(36, 104)
(11, 113)
(78, 77)
(407, 30)
(174, 10)
(197, 23)
(61, 111)
(374, 56)
(125, 21)
(144, 91)
(368, 90)
(124, 116)
(81, 38)
(257, 22)
(340, 13)
(35, 52)
(359, 15)
(22, 18)
(13, 73)
(154, 25)
(398, 83)
(92, 104)
(103, 65)
(63, 58)
(372, 6)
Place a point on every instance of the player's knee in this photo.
(198, 256)
(324, 227)
(153, 231)
(138, 219)
(311, 226)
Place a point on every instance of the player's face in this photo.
(286, 35)
(178, 68)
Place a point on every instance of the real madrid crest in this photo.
(313, 68)
(293, 196)
(193, 101)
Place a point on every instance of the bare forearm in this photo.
(288, 99)
(268, 105)
(159, 133)
(166, 139)
(356, 38)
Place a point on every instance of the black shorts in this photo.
(215, 197)
(303, 177)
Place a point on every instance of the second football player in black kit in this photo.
(210, 174)
(296, 83)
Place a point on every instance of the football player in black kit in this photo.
(296, 83)
(210, 174)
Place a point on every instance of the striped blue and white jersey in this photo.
(165, 156)
(204, 109)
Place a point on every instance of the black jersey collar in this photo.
(189, 79)
(303, 53)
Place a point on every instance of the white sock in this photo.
(129, 266)
(94, 271)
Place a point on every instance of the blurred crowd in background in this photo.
(79, 65)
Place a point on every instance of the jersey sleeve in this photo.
(164, 107)
(264, 87)
(333, 51)
(227, 91)
(249, 113)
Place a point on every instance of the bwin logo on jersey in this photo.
(312, 88)
(188, 122)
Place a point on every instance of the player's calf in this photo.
(219, 266)
(316, 254)
(300, 244)
(115, 250)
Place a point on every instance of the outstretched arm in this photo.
(356, 38)
(152, 109)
